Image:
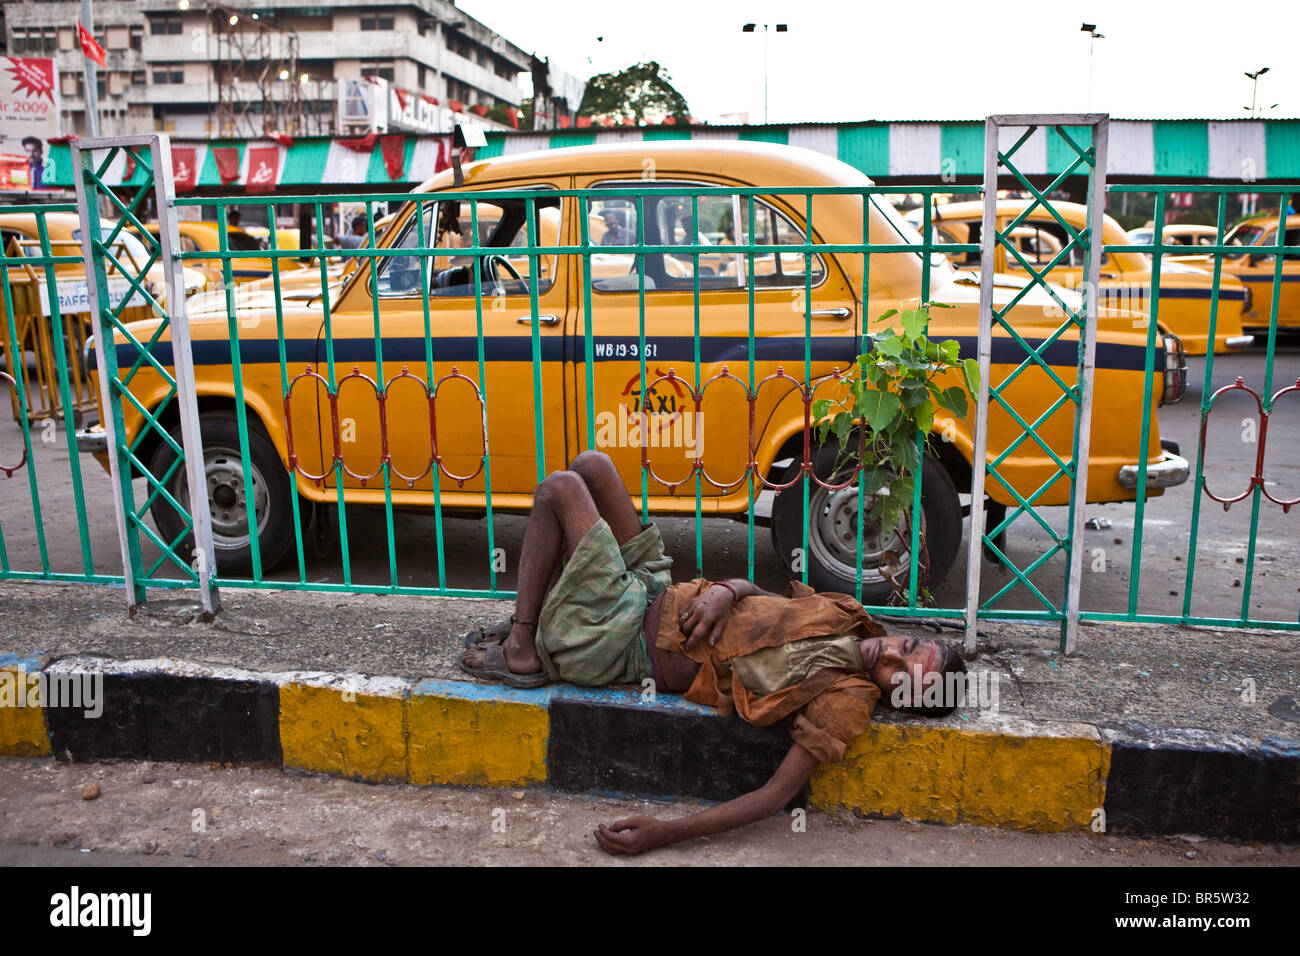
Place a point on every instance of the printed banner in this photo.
(29, 117)
(185, 169)
(263, 168)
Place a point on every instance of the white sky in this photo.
(929, 59)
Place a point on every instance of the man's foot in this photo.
(514, 661)
(481, 636)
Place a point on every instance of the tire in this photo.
(832, 531)
(224, 466)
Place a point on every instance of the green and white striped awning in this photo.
(1169, 150)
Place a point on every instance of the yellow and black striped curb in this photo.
(981, 769)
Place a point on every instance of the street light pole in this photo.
(1093, 37)
(1254, 87)
(92, 83)
(780, 28)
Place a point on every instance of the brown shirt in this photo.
(828, 709)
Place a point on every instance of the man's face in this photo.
(34, 151)
(611, 220)
(886, 657)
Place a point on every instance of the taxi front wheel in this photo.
(831, 552)
(229, 497)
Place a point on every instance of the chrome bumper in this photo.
(1169, 473)
(1239, 342)
(92, 441)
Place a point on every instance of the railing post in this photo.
(89, 176)
(1081, 390)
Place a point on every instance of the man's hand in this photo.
(632, 836)
(705, 615)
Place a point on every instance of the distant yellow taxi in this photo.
(1257, 270)
(34, 305)
(1126, 277)
(205, 236)
(437, 323)
(1174, 234)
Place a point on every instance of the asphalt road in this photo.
(1221, 554)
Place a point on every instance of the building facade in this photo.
(238, 69)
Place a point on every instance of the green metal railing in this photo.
(235, 346)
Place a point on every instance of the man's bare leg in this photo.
(612, 503)
(563, 511)
(608, 493)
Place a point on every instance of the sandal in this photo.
(495, 668)
(479, 636)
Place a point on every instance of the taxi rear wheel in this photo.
(229, 497)
(831, 554)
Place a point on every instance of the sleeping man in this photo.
(596, 605)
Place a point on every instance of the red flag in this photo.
(284, 139)
(512, 115)
(89, 47)
(480, 109)
(401, 97)
(456, 106)
(394, 149)
(628, 121)
(227, 159)
(584, 122)
(609, 121)
(364, 144)
(565, 122)
(185, 170)
(669, 121)
(431, 100)
(263, 166)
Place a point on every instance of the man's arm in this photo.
(705, 615)
(638, 834)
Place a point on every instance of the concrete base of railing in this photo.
(988, 770)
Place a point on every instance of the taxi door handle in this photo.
(840, 313)
(544, 319)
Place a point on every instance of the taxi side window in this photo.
(1040, 241)
(502, 224)
(712, 223)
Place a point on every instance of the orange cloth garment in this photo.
(828, 709)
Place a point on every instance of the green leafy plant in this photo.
(896, 390)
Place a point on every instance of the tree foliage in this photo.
(636, 91)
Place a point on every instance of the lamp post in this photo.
(1093, 37)
(750, 28)
(1254, 86)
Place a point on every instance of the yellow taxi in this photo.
(1257, 269)
(205, 236)
(1185, 289)
(33, 304)
(1174, 234)
(675, 435)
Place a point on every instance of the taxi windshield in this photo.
(1244, 236)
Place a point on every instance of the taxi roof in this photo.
(759, 164)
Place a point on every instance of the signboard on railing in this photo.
(29, 118)
(73, 295)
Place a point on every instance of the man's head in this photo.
(914, 673)
(611, 219)
(358, 225)
(233, 217)
(35, 148)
